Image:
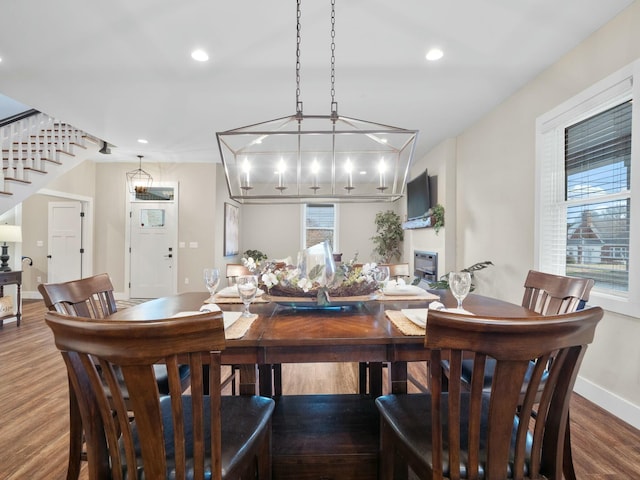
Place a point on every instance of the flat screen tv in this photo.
(418, 196)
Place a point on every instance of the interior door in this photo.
(64, 241)
(153, 242)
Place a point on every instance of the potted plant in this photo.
(389, 236)
(437, 217)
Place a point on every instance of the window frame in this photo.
(303, 222)
(617, 88)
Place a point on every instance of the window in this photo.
(584, 191)
(320, 225)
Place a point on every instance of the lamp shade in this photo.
(10, 233)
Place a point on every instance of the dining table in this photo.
(324, 436)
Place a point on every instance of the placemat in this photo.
(422, 297)
(405, 325)
(240, 327)
(236, 326)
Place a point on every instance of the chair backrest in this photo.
(397, 270)
(133, 347)
(550, 294)
(234, 270)
(482, 429)
(87, 297)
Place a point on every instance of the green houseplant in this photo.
(437, 217)
(389, 236)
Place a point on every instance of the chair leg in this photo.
(567, 460)
(76, 434)
(362, 377)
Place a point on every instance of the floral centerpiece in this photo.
(321, 280)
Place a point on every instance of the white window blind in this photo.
(584, 185)
(319, 224)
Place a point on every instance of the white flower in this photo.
(305, 284)
(250, 263)
(269, 279)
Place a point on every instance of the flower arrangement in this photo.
(348, 280)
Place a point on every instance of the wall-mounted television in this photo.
(418, 196)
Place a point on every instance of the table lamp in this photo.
(12, 234)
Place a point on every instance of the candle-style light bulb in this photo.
(315, 168)
(349, 168)
(382, 168)
(281, 168)
(246, 178)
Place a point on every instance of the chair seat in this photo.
(410, 418)
(244, 420)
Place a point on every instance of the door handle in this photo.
(48, 256)
(168, 256)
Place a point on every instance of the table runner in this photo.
(403, 324)
(219, 299)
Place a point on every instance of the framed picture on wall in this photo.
(231, 230)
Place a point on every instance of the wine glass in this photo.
(211, 280)
(460, 285)
(382, 275)
(247, 288)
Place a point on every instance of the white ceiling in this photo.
(121, 69)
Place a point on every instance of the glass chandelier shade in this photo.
(316, 158)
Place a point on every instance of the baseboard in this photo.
(618, 406)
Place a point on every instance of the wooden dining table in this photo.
(323, 436)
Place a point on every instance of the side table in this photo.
(11, 278)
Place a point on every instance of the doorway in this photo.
(153, 233)
(65, 249)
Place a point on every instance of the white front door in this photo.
(153, 249)
(64, 241)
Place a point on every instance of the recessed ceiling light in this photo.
(434, 54)
(200, 55)
(142, 140)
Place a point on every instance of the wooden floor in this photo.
(34, 415)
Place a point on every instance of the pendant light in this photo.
(313, 158)
(138, 180)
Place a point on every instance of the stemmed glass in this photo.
(460, 285)
(382, 275)
(247, 288)
(211, 280)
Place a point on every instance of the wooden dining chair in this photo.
(546, 294)
(488, 434)
(91, 297)
(234, 270)
(197, 435)
(397, 270)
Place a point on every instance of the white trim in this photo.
(614, 404)
(608, 92)
(87, 225)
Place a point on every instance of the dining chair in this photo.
(234, 270)
(91, 297)
(546, 294)
(489, 434)
(397, 270)
(196, 435)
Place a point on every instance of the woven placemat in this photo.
(405, 325)
(240, 327)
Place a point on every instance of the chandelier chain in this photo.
(298, 40)
(334, 105)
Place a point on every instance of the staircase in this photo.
(37, 148)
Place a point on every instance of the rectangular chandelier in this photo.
(316, 158)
